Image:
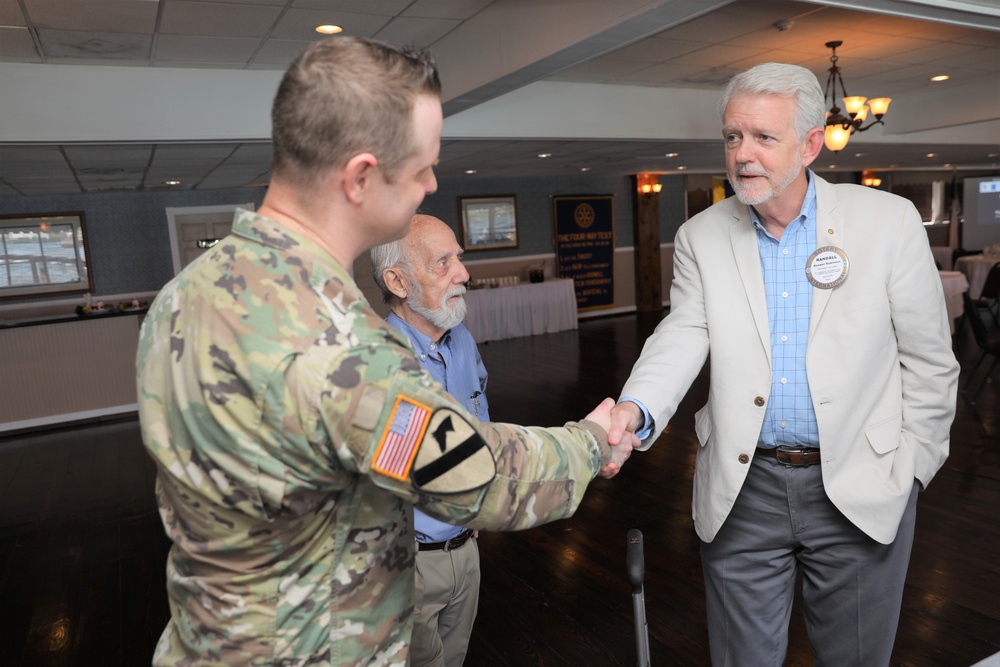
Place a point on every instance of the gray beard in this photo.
(444, 317)
(746, 197)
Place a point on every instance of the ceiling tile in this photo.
(16, 43)
(379, 7)
(201, 18)
(110, 45)
(130, 16)
(446, 9)
(419, 32)
(11, 14)
(180, 48)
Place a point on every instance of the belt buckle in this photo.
(460, 537)
(788, 459)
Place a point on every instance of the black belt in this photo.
(450, 545)
(791, 457)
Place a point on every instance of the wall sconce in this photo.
(649, 189)
(870, 179)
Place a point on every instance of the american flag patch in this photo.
(401, 438)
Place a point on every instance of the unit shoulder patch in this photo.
(452, 457)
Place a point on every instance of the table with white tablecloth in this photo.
(975, 268)
(954, 284)
(521, 310)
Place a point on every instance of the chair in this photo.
(990, 346)
(989, 297)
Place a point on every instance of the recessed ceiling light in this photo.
(545, 155)
(671, 155)
(584, 168)
(470, 171)
(833, 166)
(173, 182)
(992, 154)
(940, 77)
(328, 29)
(931, 154)
(681, 168)
(860, 154)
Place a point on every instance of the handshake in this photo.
(620, 422)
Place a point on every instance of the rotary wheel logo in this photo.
(584, 215)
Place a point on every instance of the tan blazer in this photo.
(881, 371)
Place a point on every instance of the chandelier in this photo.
(839, 127)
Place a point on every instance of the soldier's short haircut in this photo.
(785, 80)
(345, 96)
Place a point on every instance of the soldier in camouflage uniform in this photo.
(292, 428)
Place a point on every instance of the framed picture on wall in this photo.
(488, 223)
(42, 254)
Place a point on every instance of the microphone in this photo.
(635, 565)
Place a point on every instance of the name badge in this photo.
(827, 267)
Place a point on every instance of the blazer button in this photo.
(744, 458)
(759, 401)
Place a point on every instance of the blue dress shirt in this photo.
(456, 364)
(789, 418)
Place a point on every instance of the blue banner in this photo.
(585, 248)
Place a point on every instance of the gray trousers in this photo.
(852, 586)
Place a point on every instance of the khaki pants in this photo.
(447, 598)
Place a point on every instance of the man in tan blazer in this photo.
(832, 387)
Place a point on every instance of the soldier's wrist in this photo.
(600, 439)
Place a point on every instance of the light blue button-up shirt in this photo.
(789, 419)
(456, 364)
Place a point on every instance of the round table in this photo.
(975, 268)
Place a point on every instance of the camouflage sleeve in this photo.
(389, 420)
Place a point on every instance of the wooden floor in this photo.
(82, 551)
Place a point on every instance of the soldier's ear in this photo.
(358, 173)
(395, 281)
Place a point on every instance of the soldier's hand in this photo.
(622, 449)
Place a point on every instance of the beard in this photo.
(754, 195)
(444, 316)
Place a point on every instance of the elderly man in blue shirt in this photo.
(423, 281)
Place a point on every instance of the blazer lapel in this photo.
(829, 232)
(744, 239)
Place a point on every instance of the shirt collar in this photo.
(421, 342)
(807, 214)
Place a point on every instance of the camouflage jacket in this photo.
(293, 431)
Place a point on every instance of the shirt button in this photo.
(784, 339)
(759, 401)
(744, 458)
(784, 381)
(784, 295)
(783, 424)
(433, 347)
(423, 356)
(785, 251)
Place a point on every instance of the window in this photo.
(43, 254)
